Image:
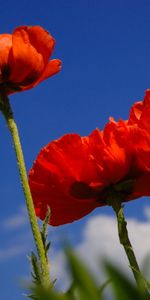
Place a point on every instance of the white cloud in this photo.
(100, 241)
(58, 270)
(147, 212)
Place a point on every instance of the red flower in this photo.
(74, 175)
(25, 57)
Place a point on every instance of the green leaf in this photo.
(84, 286)
(44, 234)
(36, 274)
(123, 288)
(45, 223)
(104, 285)
(43, 294)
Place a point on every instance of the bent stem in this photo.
(8, 115)
(125, 242)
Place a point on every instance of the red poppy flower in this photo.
(74, 175)
(25, 57)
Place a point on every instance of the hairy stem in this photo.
(125, 242)
(8, 115)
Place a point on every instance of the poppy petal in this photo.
(52, 68)
(24, 59)
(5, 46)
(41, 40)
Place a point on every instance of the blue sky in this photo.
(105, 50)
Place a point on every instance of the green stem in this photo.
(8, 114)
(125, 242)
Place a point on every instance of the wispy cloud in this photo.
(19, 244)
(15, 221)
(10, 252)
(17, 241)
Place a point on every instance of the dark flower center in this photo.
(5, 72)
(15, 86)
(123, 189)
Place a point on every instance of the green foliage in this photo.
(84, 286)
(36, 272)
(44, 233)
(42, 294)
(124, 288)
